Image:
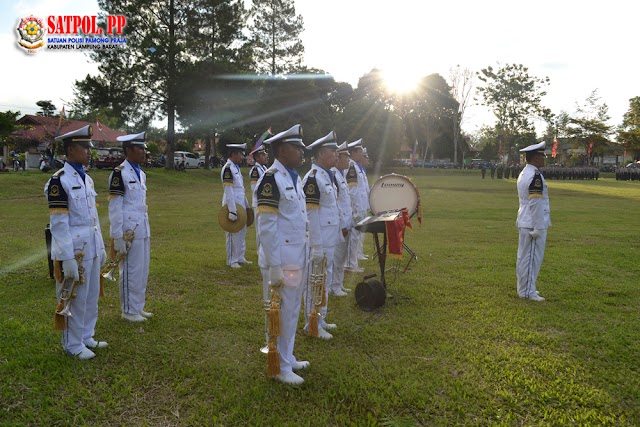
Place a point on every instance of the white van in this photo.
(190, 159)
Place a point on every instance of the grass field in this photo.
(455, 346)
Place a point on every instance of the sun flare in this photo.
(400, 80)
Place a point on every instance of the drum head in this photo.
(392, 193)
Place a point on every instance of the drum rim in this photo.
(396, 175)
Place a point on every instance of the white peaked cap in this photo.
(342, 148)
(328, 141)
(292, 136)
(535, 147)
(137, 137)
(355, 144)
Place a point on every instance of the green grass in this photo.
(455, 346)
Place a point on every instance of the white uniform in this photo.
(234, 195)
(128, 211)
(255, 173)
(346, 221)
(533, 214)
(323, 213)
(282, 222)
(74, 221)
(359, 192)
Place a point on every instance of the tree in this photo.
(275, 36)
(46, 108)
(515, 98)
(589, 129)
(8, 124)
(461, 89)
(629, 130)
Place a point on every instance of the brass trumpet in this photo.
(108, 272)
(63, 310)
(317, 277)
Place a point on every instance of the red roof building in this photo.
(44, 129)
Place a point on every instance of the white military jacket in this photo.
(282, 221)
(534, 211)
(255, 173)
(344, 200)
(233, 186)
(128, 202)
(358, 188)
(323, 211)
(73, 215)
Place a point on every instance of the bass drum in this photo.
(392, 193)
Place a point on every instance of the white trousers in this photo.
(290, 300)
(134, 273)
(236, 246)
(354, 249)
(329, 253)
(530, 255)
(80, 327)
(339, 258)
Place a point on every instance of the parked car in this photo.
(634, 165)
(190, 160)
(201, 161)
(109, 157)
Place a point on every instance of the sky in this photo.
(580, 46)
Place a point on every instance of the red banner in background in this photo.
(554, 149)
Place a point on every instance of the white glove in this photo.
(103, 257)
(233, 216)
(535, 233)
(70, 269)
(120, 245)
(316, 253)
(275, 274)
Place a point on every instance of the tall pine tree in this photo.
(275, 36)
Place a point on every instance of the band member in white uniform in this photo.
(128, 213)
(359, 192)
(259, 168)
(323, 214)
(75, 225)
(232, 197)
(533, 220)
(282, 223)
(346, 222)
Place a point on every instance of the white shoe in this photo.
(324, 334)
(300, 364)
(339, 293)
(354, 270)
(363, 257)
(91, 343)
(535, 298)
(245, 262)
(289, 378)
(85, 354)
(328, 326)
(235, 265)
(133, 317)
(145, 314)
(345, 289)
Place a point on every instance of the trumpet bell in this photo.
(66, 311)
(110, 274)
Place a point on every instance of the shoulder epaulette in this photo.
(268, 194)
(227, 176)
(59, 173)
(311, 192)
(57, 197)
(119, 167)
(254, 174)
(116, 184)
(535, 188)
(270, 172)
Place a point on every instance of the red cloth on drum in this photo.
(395, 234)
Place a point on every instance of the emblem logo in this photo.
(55, 191)
(115, 182)
(311, 189)
(267, 190)
(537, 183)
(352, 172)
(31, 32)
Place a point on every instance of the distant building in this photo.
(43, 130)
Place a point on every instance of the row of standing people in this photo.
(628, 174)
(300, 223)
(570, 173)
(78, 249)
